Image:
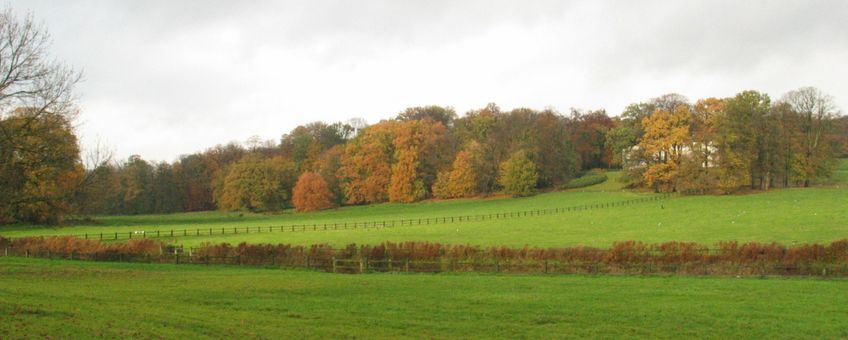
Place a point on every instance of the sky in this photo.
(167, 78)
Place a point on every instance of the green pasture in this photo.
(787, 216)
(65, 299)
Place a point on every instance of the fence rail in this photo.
(314, 227)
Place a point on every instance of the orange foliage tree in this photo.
(366, 166)
(312, 193)
(416, 150)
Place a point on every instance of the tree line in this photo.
(667, 144)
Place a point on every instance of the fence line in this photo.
(309, 227)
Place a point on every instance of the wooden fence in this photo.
(314, 227)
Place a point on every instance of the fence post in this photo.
(7, 251)
(361, 265)
(406, 265)
(334, 264)
(546, 266)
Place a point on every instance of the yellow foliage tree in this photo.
(460, 181)
(666, 135)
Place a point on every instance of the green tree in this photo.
(518, 175)
(741, 139)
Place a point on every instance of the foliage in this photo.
(365, 169)
(518, 175)
(39, 158)
(39, 167)
(460, 181)
(666, 133)
(311, 193)
(258, 184)
(417, 159)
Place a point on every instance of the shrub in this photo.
(589, 179)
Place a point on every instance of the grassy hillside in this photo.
(40, 298)
(786, 216)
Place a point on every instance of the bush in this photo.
(589, 179)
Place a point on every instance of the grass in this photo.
(787, 216)
(64, 299)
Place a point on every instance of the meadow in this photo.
(72, 299)
(788, 216)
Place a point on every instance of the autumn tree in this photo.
(518, 175)
(444, 115)
(311, 193)
(38, 151)
(305, 143)
(39, 167)
(136, 186)
(699, 167)
(588, 133)
(327, 165)
(366, 167)
(460, 180)
(666, 136)
(417, 159)
(258, 184)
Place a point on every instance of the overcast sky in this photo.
(165, 78)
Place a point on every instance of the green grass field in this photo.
(64, 299)
(784, 215)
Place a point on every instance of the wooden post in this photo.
(334, 264)
(7, 251)
(361, 265)
(546, 266)
(406, 265)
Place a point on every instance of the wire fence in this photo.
(331, 226)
